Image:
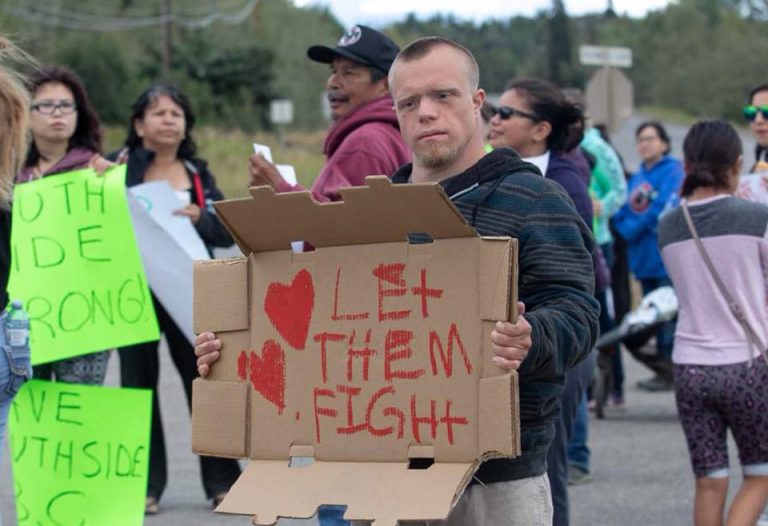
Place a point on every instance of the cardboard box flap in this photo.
(499, 413)
(498, 278)
(220, 295)
(219, 426)
(377, 213)
(384, 492)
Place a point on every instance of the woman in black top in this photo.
(159, 147)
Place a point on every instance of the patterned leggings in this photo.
(714, 398)
(88, 369)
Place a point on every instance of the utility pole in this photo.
(167, 43)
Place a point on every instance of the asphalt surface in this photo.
(640, 473)
(640, 470)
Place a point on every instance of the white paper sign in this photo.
(753, 187)
(160, 200)
(264, 150)
(288, 173)
(169, 245)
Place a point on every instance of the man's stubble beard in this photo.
(437, 157)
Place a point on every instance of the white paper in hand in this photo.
(288, 173)
(160, 201)
(264, 150)
(168, 245)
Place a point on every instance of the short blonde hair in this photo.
(423, 46)
(14, 117)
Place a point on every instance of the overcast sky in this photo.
(380, 12)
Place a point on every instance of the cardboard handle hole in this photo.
(300, 462)
(298, 247)
(419, 238)
(420, 463)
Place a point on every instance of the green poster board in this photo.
(76, 266)
(80, 454)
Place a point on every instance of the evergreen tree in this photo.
(559, 47)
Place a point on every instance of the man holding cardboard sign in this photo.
(434, 85)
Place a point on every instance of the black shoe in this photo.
(655, 385)
(578, 476)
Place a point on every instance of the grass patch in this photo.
(227, 153)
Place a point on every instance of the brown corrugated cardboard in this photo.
(363, 353)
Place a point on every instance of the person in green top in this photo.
(608, 189)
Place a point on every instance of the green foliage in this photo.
(503, 49)
(696, 56)
(288, 32)
(109, 77)
(697, 60)
(561, 67)
(230, 72)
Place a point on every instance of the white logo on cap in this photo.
(350, 37)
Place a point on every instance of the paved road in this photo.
(641, 475)
(640, 466)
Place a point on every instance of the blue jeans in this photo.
(576, 382)
(332, 515)
(15, 369)
(578, 450)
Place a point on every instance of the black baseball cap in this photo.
(360, 44)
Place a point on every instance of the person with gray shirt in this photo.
(715, 249)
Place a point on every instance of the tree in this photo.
(559, 48)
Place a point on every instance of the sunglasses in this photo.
(750, 112)
(506, 112)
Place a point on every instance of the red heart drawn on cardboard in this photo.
(289, 308)
(268, 373)
(242, 365)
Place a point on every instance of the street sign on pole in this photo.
(280, 114)
(281, 111)
(617, 57)
(610, 97)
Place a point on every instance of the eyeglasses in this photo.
(506, 112)
(48, 107)
(750, 112)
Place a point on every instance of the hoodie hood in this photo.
(378, 110)
(494, 165)
(74, 159)
(487, 173)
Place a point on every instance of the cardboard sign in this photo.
(169, 244)
(76, 267)
(80, 454)
(364, 353)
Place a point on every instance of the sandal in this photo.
(151, 507)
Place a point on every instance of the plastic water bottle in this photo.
(17, 326)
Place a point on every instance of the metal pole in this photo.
(609, 91)
(167, 43)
